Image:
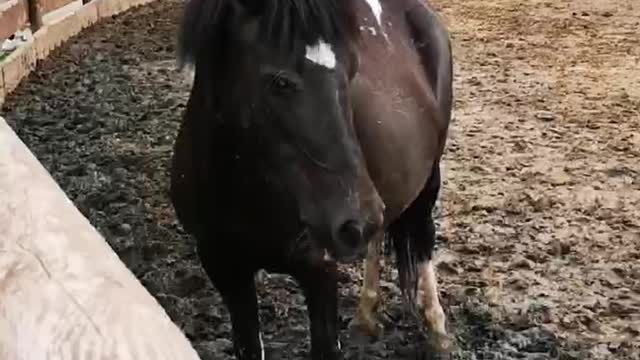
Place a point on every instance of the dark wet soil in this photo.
(101, 114)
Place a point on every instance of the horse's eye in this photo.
(282, 83)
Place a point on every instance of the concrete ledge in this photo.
(21, 62)
(16, 66)
(64, 294)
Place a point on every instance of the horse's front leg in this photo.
(320, 284)
(366, 320)
(241, 300)
(238, 292)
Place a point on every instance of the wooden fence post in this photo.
(35, 16)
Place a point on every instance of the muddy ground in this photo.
(539, 253)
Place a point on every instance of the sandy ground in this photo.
(543, 184)
(539, 252)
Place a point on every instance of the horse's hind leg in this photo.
(365, 320)
(430, 303)
(413, 236)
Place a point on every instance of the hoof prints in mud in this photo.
(101, 113)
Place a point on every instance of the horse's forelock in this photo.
(199, 22)
(309, 20)
(282, 23)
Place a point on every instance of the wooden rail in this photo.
(64, 294)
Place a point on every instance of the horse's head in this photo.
(286, 68)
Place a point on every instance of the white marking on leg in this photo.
(261, 346)
(371, 283)
(429, 300)
(321, 54)
(370, 291)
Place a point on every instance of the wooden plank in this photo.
(48, 6)
(13, 17)
(65, 293)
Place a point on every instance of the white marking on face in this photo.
(327, 256)
(321, 54)
(261, 346)
(371, 29)
(376, 8)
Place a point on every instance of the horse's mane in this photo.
(282, 22)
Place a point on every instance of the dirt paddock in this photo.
(539, 253)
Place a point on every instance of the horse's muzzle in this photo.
(350, 237)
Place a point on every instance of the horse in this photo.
(313, 133)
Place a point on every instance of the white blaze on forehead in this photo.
(321, 54)
(376, 8)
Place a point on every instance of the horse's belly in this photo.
(399, 137)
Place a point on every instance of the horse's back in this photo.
(401, 97)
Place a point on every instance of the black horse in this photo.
(313, 128)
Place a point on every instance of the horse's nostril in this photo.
(351, 233)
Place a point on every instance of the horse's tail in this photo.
(412, 237)
(407, 265)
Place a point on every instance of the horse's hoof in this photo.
(365, 328)
(441, 343)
